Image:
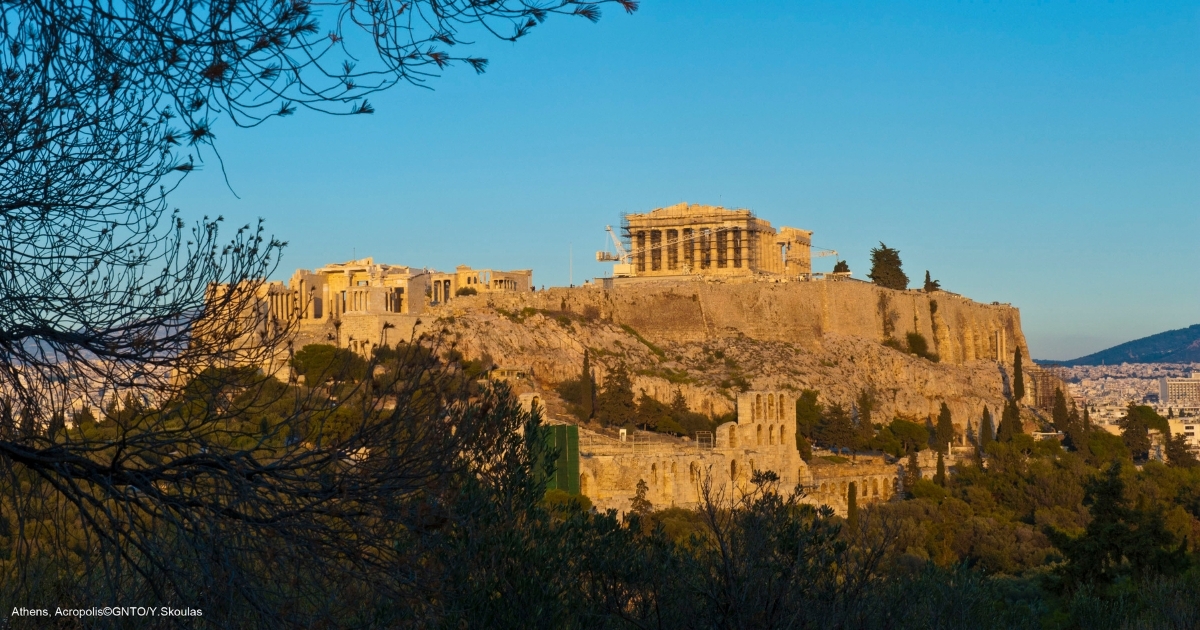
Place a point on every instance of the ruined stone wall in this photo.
(675, 474)
(875, 479)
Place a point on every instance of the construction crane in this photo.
(621, 259)
(825, 252)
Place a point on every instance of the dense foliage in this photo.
(1036, 536)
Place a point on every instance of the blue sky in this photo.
(1045, 154)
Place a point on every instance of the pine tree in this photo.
(886, 268)
(588, 390)
(615, 404)
(1178, 454)
(931, 285)
(1018, 377)
(679, 406)
(1135, 432)
(808, 413)
(841, 266)
(835, 428)
(945, 429)
(940, 477)
(987, 431)
(865, 429)
(1087, 419)
(852, 506)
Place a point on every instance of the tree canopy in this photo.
(886, 268)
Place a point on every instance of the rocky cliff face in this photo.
(707, 340)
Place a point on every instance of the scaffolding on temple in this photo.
(696, 241)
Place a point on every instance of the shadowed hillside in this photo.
(1172, 346)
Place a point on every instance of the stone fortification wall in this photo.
(818, 335)
(959, 330)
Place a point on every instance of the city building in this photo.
(1180, 393)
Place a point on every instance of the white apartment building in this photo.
(1180, 393)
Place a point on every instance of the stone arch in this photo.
(757, 407)
(895, 485)
(770, 406)
(758, 431)
(733, 437)
(654, 474)
(874, 487)
(584, 486)
(533, 404)
(771, 435)
(733, 471)
(782, 436)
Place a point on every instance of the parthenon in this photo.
(691, 239)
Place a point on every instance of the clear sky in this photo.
(1045, 154)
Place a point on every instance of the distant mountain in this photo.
(1173, 346)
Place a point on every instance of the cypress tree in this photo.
(930, 284)
(1087, 419)
(912, 473)
(940, 477)
(1018, 376)
(1010, 422)
(945, 429)
(987, 432)
(852, 506)
(588, 389)
(1059, 414)
(865, 429)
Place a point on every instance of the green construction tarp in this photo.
(563, 440)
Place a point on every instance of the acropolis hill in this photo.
(781, 324)
(708, 329)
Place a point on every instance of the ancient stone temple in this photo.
(357, 286)
(691, 239)
(467, 281)
(354, 304)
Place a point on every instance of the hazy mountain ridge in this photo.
(1173, 346)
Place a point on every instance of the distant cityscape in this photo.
(1108, 389)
